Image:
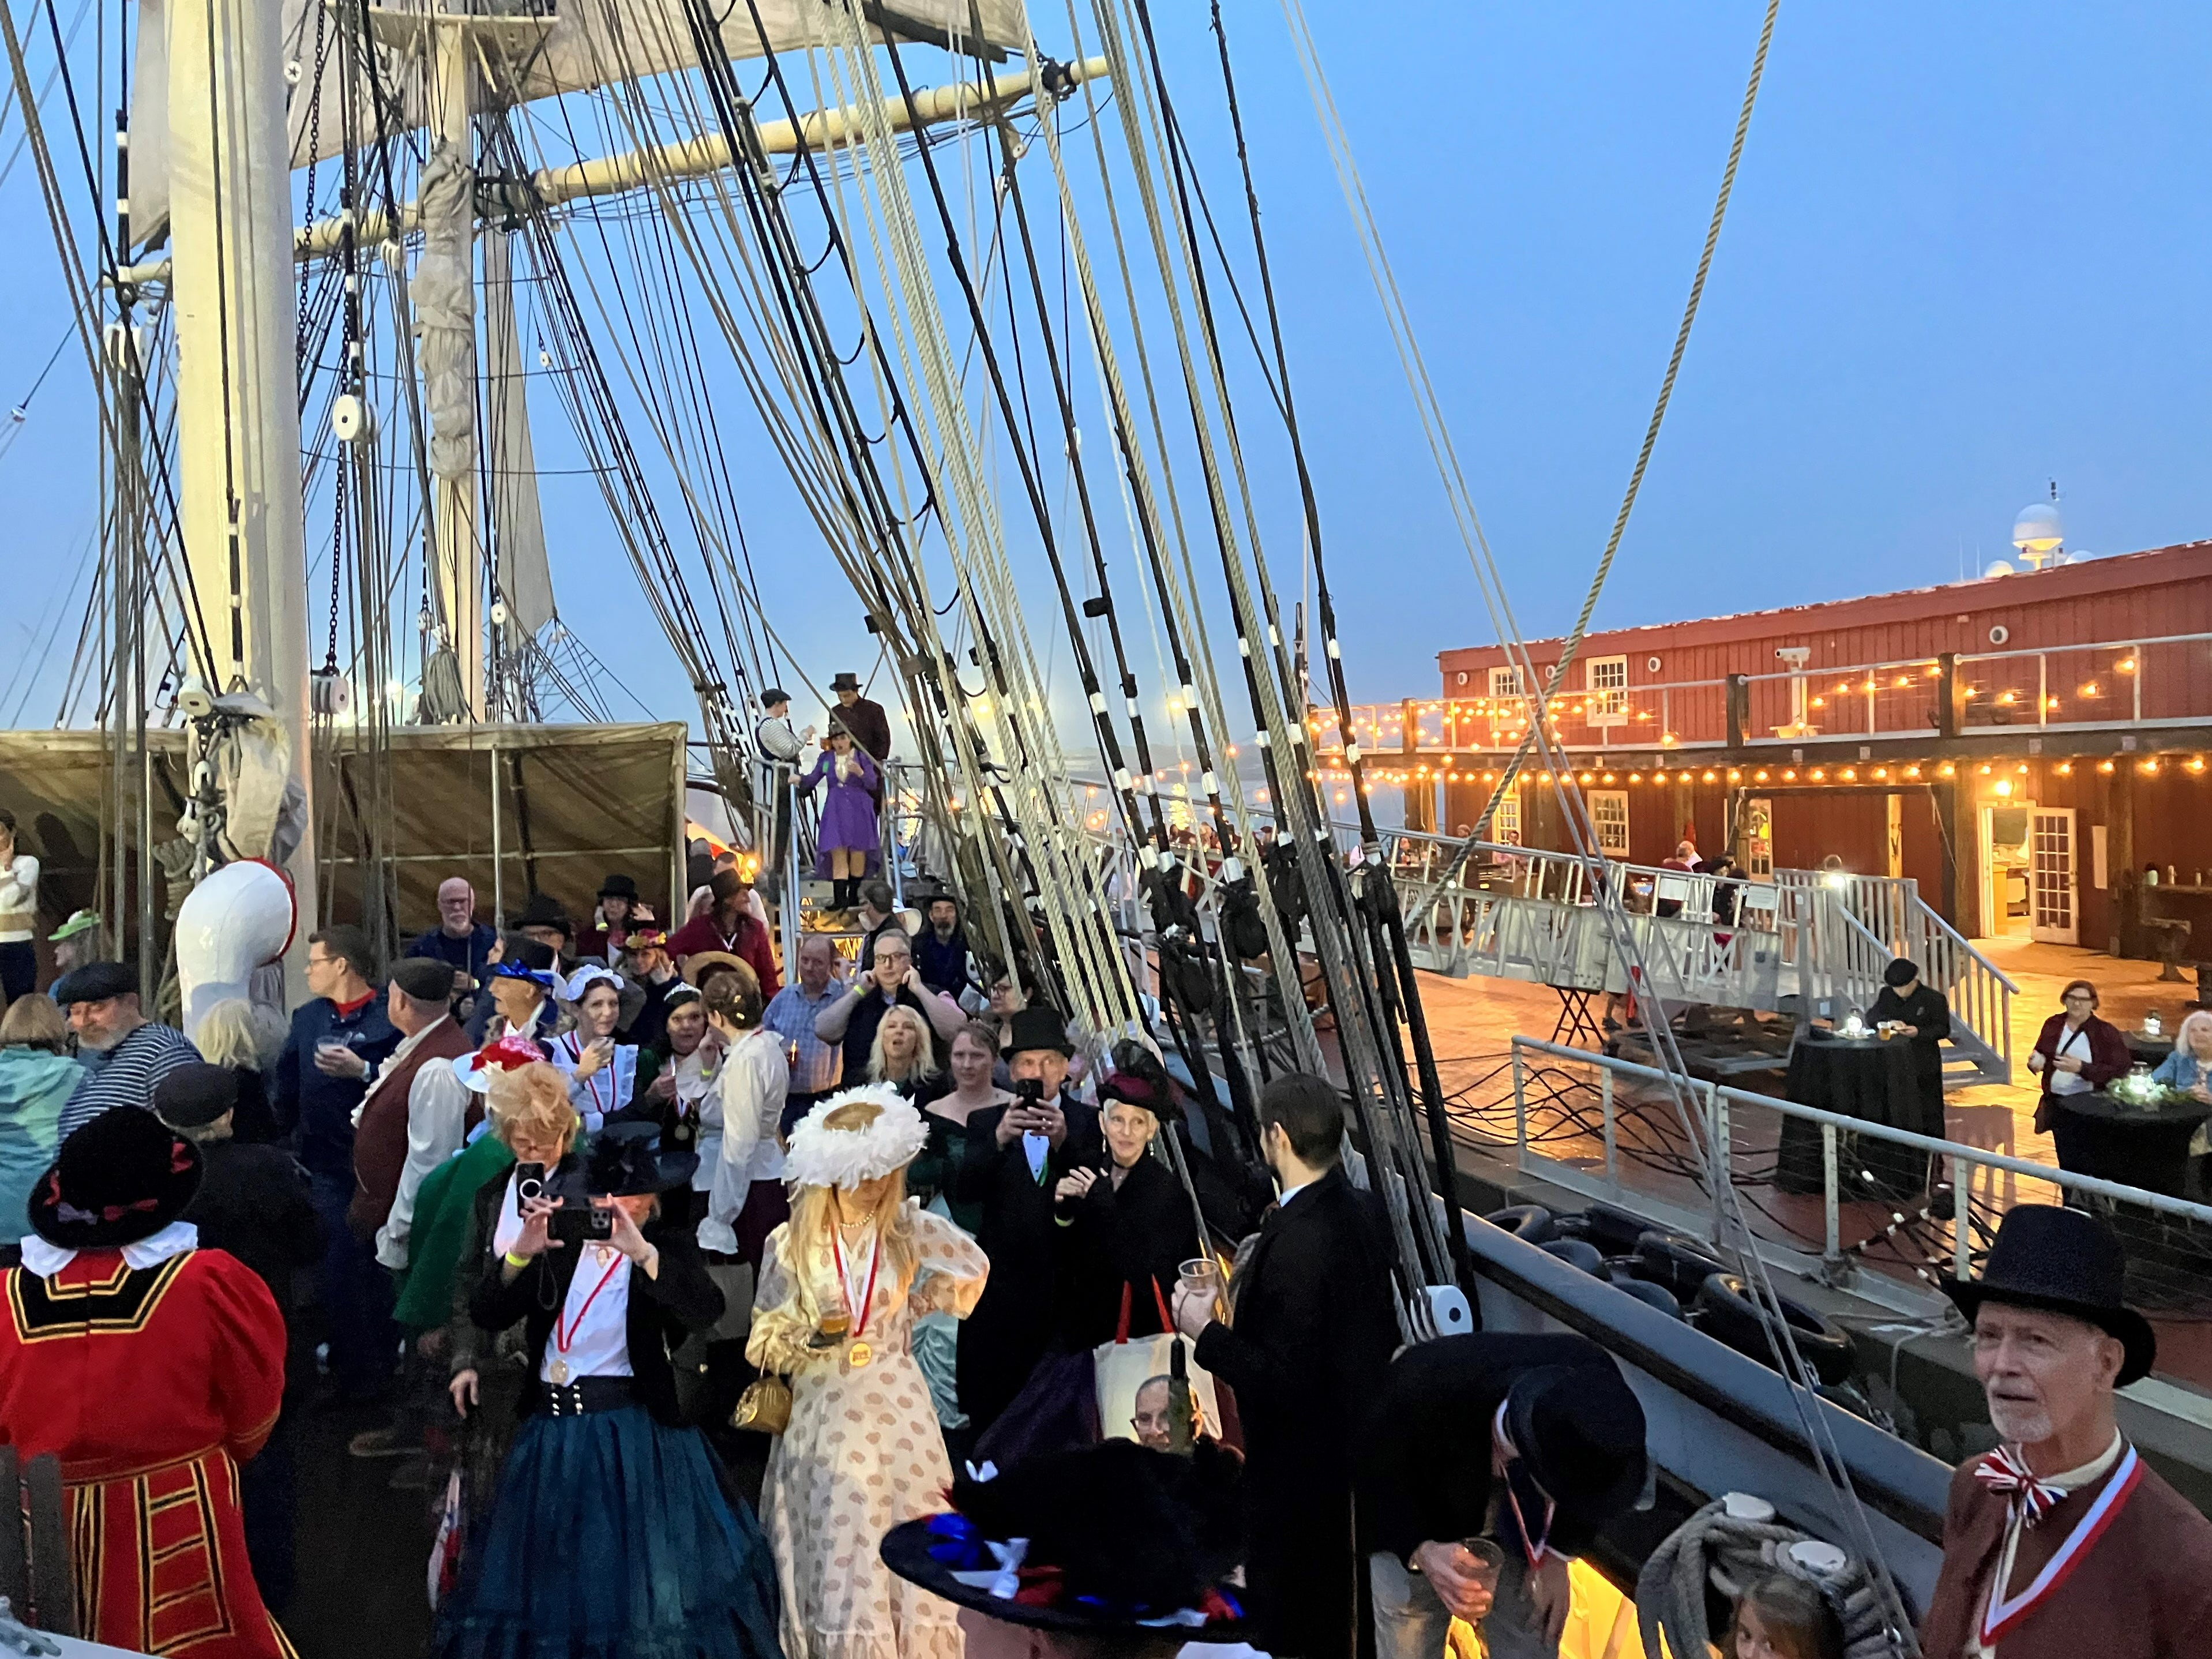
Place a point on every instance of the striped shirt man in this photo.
(125, 1074)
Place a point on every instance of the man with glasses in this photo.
(126, 1054)
(891, 980)
(339, 1039)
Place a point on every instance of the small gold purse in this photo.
(765, 1407)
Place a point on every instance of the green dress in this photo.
(443, 1208)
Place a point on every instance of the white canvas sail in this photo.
(533, 48)
(526, 582)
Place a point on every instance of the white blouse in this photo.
(19, 900)
(594, 1319)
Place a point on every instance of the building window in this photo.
(1606, 679)
(1505, 823)
(1609, 810)
(1506, 683)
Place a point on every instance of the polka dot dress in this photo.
(863, 1454)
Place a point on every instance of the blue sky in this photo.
(1966, 255)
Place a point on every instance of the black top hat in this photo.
(122, 1177)
(619, 886)
(627, 1162)
(1038, 1026)
(846, 683)
(2066, 1261)
(96, 982)
(773, 695)
(1579, 1432)
(544, 910)
(194, 1096)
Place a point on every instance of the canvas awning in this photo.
(572, 804)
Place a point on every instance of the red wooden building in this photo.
(2030, 747)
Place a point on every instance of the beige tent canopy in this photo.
(570, 805)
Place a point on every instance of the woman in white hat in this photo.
(602, 1072)
(843, 1281)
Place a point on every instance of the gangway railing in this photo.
(1564, 1094)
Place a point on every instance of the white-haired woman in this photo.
(843, 1281)
(244, 1038)
(602, 1072)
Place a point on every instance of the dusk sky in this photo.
(1966, 255)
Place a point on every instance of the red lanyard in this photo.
(1532, 1548)
(576, 1054)
(563, 1338)
(844, 1291)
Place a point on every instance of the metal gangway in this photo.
(1811, 943)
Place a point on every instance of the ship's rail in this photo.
(1609, 1129)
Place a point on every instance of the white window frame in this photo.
(1505, 821)
(1608, 812)
(1506, 683)
(1605, 683)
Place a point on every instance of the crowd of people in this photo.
(576, 1210)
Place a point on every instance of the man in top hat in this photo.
(544, 919)
(1532, 1441)
(870, 726)
(2063, 1541)
(619, 912)
(152, 1368)
(1016, 1154)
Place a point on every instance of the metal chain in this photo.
(315, 143)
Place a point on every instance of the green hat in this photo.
(84, 921)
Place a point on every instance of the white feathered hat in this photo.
(819, 1156)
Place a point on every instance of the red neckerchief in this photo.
(348, 1010)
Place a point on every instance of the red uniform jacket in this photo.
(151, 1385)
(2143, 1590)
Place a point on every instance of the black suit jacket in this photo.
(1424, 1469)
(254, 1202)
(1016, 1228)
(663, 1311)
(1316, 1324)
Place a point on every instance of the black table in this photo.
(2119, 1141)
(2150, 1050)
(1865, 1078)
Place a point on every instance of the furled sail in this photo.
(526, 582)
(534, 48)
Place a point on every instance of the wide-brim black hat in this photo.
(544, 910)
(1579, 1429)
(619, 886)
(2064, 1261)
(627, 1162)
(122, 1177)
(1038, 1027)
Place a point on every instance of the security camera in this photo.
(1796, 655)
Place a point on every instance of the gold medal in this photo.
(860, 1353)
(558, 1371)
